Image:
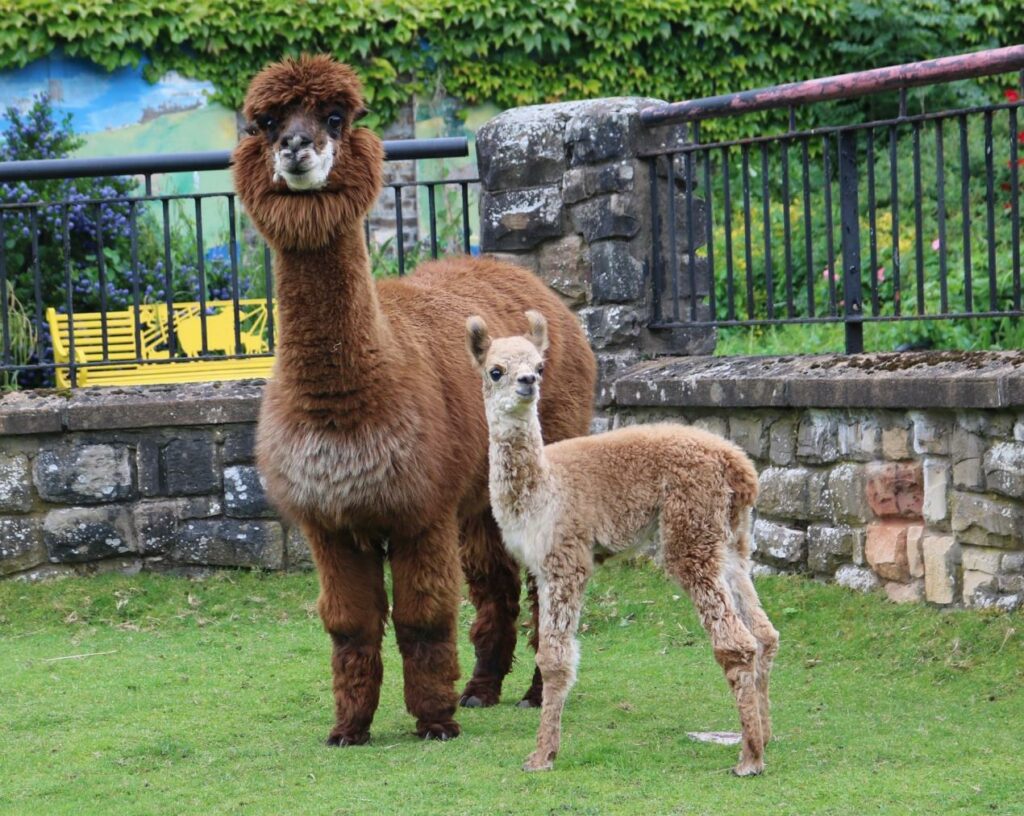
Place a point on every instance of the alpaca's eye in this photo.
(266, 122)
(495, 374)
(334, 121)
(540, 370)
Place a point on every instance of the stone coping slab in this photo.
(930, 379)
(110, 408)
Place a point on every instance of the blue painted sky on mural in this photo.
(98, 100)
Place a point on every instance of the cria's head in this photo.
(512, 367)
(302, 168)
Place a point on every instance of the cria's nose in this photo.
(297, 141)
(526, 379)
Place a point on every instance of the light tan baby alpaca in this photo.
(556, 503)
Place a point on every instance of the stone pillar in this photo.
(565, 193)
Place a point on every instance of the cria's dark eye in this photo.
(266, 122)
(540, 370)
(495, 374)
(334, 121)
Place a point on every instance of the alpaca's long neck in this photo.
(518, 467)
(333, 335)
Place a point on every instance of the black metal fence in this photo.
(104, 288)
(874, 210)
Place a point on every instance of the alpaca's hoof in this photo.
(749, 769)
(472, 701)
(533, 698)
(479, 696)
(341, 738)
(526, 702)
(539, 762)
(442, 731)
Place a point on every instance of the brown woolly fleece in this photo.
(559, 502)
(372, 436)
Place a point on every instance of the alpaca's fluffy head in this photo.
(512, 367)
(302, 170)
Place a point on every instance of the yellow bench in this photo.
(95, 368)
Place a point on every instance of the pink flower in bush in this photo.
(936, 244)
(826, 273)
(880, 274)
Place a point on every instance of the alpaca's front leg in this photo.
(558, 654)
(353, 607)
(426, 575)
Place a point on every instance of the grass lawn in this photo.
(214, 697)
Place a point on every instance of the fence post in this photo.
(849, 228)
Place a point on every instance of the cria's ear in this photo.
(538, 330)
(477, 339)
(359, 114)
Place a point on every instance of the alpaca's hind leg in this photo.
(560, 599)
(353, 608)
(493, 578)
(767, 638)
(426, 577)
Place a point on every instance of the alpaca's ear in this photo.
(477, 339)
(362, 112)
(538, 330)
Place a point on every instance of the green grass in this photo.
(214, 697)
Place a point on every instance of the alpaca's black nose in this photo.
(526, 379)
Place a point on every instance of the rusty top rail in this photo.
(842, 86)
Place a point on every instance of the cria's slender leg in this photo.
(561, 597)
(493, 578)
(426, 576)
(767, 640)
(353, 608)
(535, 693)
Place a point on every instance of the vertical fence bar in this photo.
(990, 202)
(399, 230)
(940, 196)
(787, 230)
(233, 255)
(829, 226)
(101, 269)
(918, 220)
(894, 204)
(673, 264)
(657, 268)
(730, 282)
(201, 273)
(766, 214)
(37, 278)
(808, 240)
(172, 339)
(849, 227)
(747, 241)
(709, 235)
(268, 288)
(69, 296)
(872, 223)
(691, 250)
(465, 217)
(133, 230)
(1014, 207)
(432, 205)
(5, 297)
(965, 213)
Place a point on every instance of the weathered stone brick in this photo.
(299, 555)
(600, 132)
(190, 466)
(859, 578)
(818, 437)
(981, 559)
(915, 555)
(564, 264)
(520, 219)
(83, 474)
(1012, 562)
(156, 522)
(230, 543)
(966, 451)
(1004, 469)
(987, 522)
(895, 489)
(15, 484)
(751, 432)
(779, 544)
(606, 216)
(846, 487)
(713, 424)
(941, 555)
(886, 550)
(610, 325)
(147, 466)
(239, 447)
(905, 593)
(616, 276)
(782, 444)
(1018, 429)
(896, 443)
(931, 432)
(794, 493)
(21, 546)
(829, 547)
(579, 183)
(936, 483)
(860, 438)
(74, 534)
(523, 148)
(975, 583)
(245, 493)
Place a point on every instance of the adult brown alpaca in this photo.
(372, 436)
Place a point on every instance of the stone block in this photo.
(190, 466)
(607, 216)
(521, 148)
(975, 583)
(987, 521)
(751, 432)
(600, 132)
(610, 366)
(713, 424)
(860, 438)
(15, 484)
(915, 555)
(1004, 469)
(895, 489)
(147, 466)
(905, 593)
(1018, 429)
(782, 444)
(520, 219)
(932, 432)
(896, 443)
(936, 483)
(965, 452)
(298, 553)
(83, 474)
(986, 423)
(239, 445)
(846, 488)
(775, 543)
(941, 555)
(156, 522)
(886, 550)
(245, 493)
(230, 543)
(1012, 562)
(21, 546)
(611, 325)
(564, 265)
(616, 276)
(794, 493)
(981, 559)
(859, 578)
(829, 547)
(817, 438)
(75, 534)
(580, 183)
